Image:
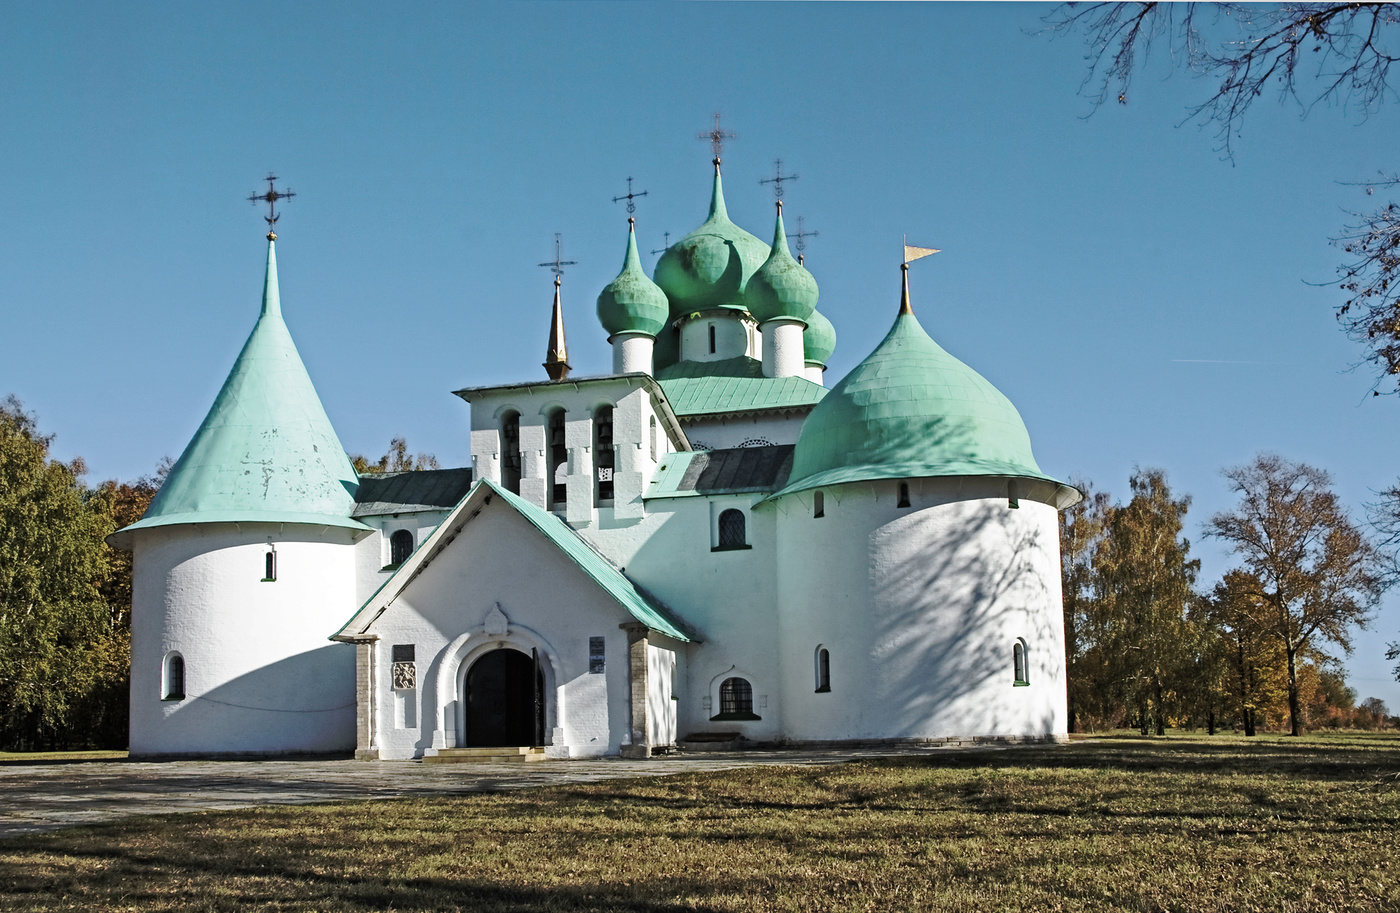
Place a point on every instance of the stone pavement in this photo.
(41, 797)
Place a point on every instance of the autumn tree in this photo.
(1146, 580)
(1082, 530)
(1253, 658)
(396, 459)
(1314, 569)
(53, 561)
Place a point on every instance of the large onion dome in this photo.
(632, 303)
(818, 340)
(911, 410)
(710, 266)
(781, 287)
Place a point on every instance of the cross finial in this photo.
(802, 234)
(717, 136)
(778, 178)
(270, 197)
(558, 263)
(630, 197)
(667, 236)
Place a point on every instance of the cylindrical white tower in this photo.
(632, 352)
(782, 348)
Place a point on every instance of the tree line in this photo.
(1147, 647)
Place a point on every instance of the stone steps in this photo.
(520, 755)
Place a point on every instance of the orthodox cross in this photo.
(270, 197)
(802, 234)
(667, 236)
(777, 180)
(630, 197)
(558, 263)
(717, 137)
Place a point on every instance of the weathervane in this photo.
(717, 137)
(630, 198)
(558, 263)
(667, 236)
(777, 179)
(270, 197)
(802, 234)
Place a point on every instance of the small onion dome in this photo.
(818, 340)
(632, 303)
(710, 266)
(782, 287)
(911, 410)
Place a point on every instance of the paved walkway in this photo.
(43, 797)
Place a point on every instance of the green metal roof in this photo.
(710, 266)
(632, 302)
(781, 287)
(818, 340)
(733, 385)
(638, 603)
(911, 410)
(266, 451)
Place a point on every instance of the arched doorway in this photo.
(503, 695)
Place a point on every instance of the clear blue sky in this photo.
(1141, 301)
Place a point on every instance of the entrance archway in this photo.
(503, 696)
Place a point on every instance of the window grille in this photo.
(731, 529)
(173, 684)
(597, 655)
(736, 697)
(400, 546)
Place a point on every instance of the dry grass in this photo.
(1179, 824)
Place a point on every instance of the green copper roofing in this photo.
(781, 287)
(632, 303)
(710, 266)
(266, 451)
(818, 340)
(911, 410)
(733, 385)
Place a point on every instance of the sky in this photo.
(1142, 301)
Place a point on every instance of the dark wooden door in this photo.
(503, 700)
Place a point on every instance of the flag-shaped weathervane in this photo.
(914, 253)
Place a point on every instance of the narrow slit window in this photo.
(712, 339)
(903, 494)
(172, 686)
(558, 461)
(400, 547)
(510, 452)
(818, 505)
(604, 454)
(270, 565)
(1018, 663)
(732, 533)
(823, 670)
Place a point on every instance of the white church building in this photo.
(706, 546)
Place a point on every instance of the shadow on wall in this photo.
(302, 703)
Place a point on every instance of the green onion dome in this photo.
(911, 410)
(781, 287)
(632, 303)
(818, 340)
(710, 266)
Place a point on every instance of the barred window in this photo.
(736, 696)
(731, 529)
(400, 546)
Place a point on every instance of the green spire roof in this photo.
(911, 410)
(781, 287)
(818, 340)
(266, 451)
(710, 266)
(632, 303)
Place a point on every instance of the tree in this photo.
(1253, 658)
(52, 563)
(397, 459)
(1082, 529)
(1315, 570)
(1146, 580)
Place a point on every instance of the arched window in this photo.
(558, 468)
(736, 699)
(903, 495)
(510, 452)
(818, 504)
(731, 529)
(823, 670)
(172, 678)
(712, 339)
(603, 454)
(400, 546)
(1018, 662)
(270, 565)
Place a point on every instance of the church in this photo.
(706, 547)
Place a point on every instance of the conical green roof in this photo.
(818, 340)
(266, 451)
(781, 287)
(710, 266)
(911, 410)
(632, 303)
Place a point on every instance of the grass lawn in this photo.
(1182, 823)
(58, 757)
